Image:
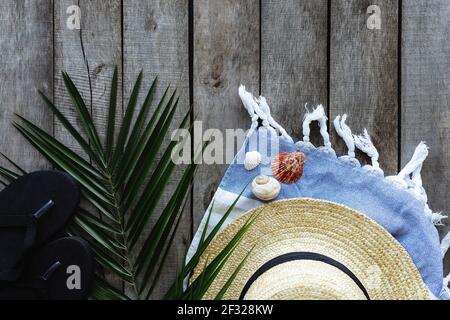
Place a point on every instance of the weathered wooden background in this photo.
(395, 81)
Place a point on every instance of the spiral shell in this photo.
(265, 188)
(252, 160)
(288, 167)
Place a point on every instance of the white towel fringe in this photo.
(319, 115)
(344, 131)
(266, 109)
(404, 178)
(247, 101)
(411, 173)
(254, 111)
(364, 143)
(410, 178)
(414, 166)
(437, 218)
(259, 109)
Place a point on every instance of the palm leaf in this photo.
(66, 163)
(124, 130)
(123, 182)
(233, 276)
(157, 278)
(95, 222)
(101, 290)
(110, 126)
(130, 158)
(197, 289)
(61, 149)
(159, 234)
(84, 115)
(15, 165)
(8, 175)
(72, 131)
(140, 121)
(188, 268)
(154, 189)
(149, 153)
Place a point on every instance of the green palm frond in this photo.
(198, 288)
(124, 182)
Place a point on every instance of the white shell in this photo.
(266, 188)
(252, 160)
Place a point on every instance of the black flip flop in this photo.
(61, 270)
(33, 209)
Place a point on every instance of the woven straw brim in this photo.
(379, 262)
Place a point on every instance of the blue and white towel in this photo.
(398, 203)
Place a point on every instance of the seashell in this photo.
(252, 160)
(288, 167)
(266, 188)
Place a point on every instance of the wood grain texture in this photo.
(426, 95)
(364, 75)
(101, 34)
(26, 50)
(156, 41)
(36, 45)
(226, 54)
(294, 59)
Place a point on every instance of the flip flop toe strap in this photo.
(39, 285)
(28, 222)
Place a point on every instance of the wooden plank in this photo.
(426, 95)
(364, 73)
(101, 34)
(156, 41)
(26, 48)
(294, 59)
(226, 54)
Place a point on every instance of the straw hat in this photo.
(313, 249)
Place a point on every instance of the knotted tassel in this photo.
(437, 217)
(319, 115)
(419, 192)
(344, 131)
(364, 143)
(266, 109)
(416, 162)
(403, 179)
(248, 105)
(410, 178)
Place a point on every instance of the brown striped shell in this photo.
(288, 167)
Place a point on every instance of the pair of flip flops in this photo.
(34, 210)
